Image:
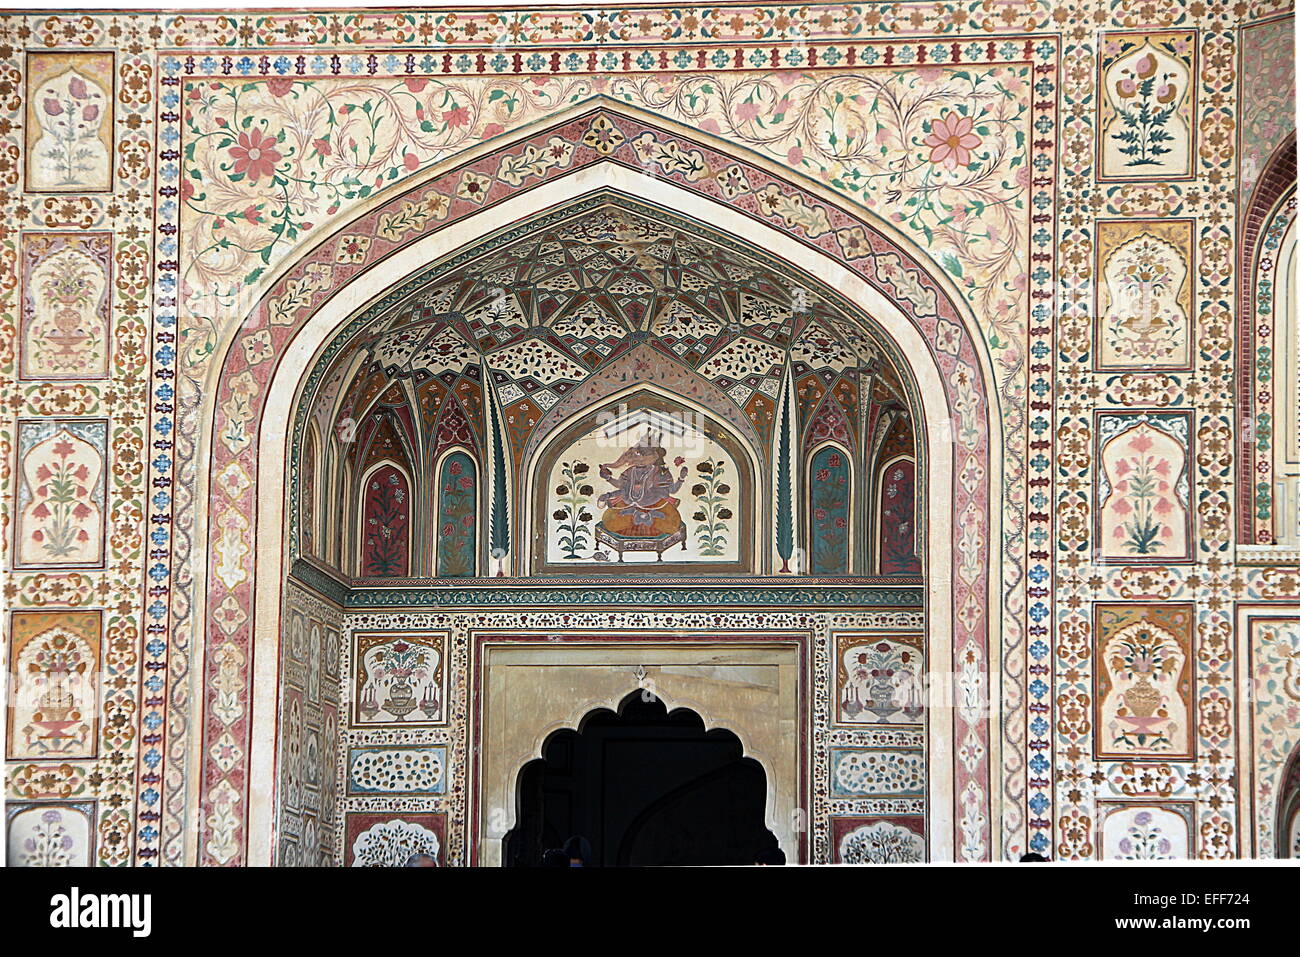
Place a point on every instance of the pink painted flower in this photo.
(89, 112)
(951, 140)
(493, 129)
(747, 111)
(322, 146)
(52, 106)
(795, 156)
(279, 85)
(77, 87)
(410, 161)
(255, 154)
(457, 116)
(1140, 443)
(416, 84)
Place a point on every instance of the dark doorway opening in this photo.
(646, 788)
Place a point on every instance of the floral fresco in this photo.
(385, 524)
(1157, 833)
(457, 517)
(65, 319)
(54, 661)
(1146, 120)
(1144, 298)
(50, 834)
(1144, 512)
(399, 679)
(61, 498)
(1144, 685)
(897, 518)
(880, 680)
(830, 488)
(70, 116)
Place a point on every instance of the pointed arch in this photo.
(1267, 216)
(385, 509)
(915, 305)
(309, 474)
(829, 478)
(456, 530)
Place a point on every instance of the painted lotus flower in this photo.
(255, 154)
(951, 140)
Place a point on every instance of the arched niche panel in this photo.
(308, 479)
(830, 504)
(896, 541)
(644, 485)
(456, 538)
(385, 523)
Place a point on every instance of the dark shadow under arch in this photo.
(646, 787)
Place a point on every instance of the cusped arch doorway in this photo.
(646, 786)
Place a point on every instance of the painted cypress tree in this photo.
(499, 528)
(784, 518)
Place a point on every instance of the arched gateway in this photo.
(599, 407)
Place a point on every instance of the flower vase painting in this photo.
(1144, 298)
(1144, 515)
(880, 681)
(65, 305)
(70, 122)
(1144, 681)
(400, 679)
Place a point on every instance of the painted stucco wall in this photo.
(176, 189)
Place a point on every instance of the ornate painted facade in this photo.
(933, 362)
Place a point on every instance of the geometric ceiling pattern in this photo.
(544, 312)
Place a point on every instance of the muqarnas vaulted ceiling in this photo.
(559, 313)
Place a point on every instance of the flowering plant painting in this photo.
(1143, 493)
(458, 497)
(62, 515)
(1147, 100)
(1146, 502)
(71, 112)
(386, 546)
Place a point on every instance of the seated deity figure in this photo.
(642, 504)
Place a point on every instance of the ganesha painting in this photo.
(657, 491)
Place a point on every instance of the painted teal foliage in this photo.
(828, 484)
(457, 516)
(784, 516)
(499, 532)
